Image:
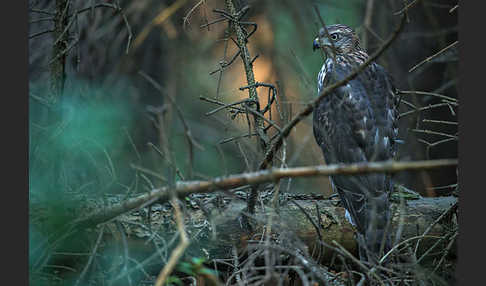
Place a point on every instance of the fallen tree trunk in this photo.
(294, 233)
(214, 232)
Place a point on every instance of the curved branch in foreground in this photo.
(184, 189)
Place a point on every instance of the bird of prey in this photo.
(357, 122)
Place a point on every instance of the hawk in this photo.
(357, 122)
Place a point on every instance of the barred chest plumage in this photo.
(353, 60)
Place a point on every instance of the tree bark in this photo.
(215, 231)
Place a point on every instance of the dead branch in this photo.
(407, 7)
(191, 142)
(184, 189)
(90, 260)
(428, 59)
(117, 9)
(188, 14)
(179, 250)
(40, 33)
(159, 19)
(428, 107)
(242, 39)
(425, 131)
(41, 11)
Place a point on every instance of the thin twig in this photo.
(223, 64)
(394, 248)
(99, 5)
(428, 107)
(434, 223)
(440, 121)
(123, 236)
(408, 6)
(65, 51)
(226, 140)
(188, 14)
(40, 33)
(213, 22)
(42, 12)
(428, 59)
(308, 216)
(179, 250)
(446, 251)
(428, 93)
(150, 172)
(434, 133)
(226, 106)
(270, 122)
(92, 255)
(357, 262)
(333, 47)
(129, 29)
(191, 142)
(159, 19)
(41, 20)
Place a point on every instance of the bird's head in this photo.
(343, 37)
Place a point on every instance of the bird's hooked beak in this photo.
(315, 44)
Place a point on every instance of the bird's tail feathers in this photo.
(370, 212)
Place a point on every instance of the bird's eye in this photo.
(334, 36)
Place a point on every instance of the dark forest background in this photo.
(111, 131)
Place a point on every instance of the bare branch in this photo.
(42, 12)
(179, 250)
(428, 59)
(159, 19)
(40, 33)
(434, 133)
(445, 213)
(408, 6)
(245, 56)
(453, 8)
(41, 20)
(188, 15)
(191, 142)
(440, 121)
(428, 107)
(183, 189)
(65, 51)
(91, 256)
(428, 93)
(99, 5)
(236, 137)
